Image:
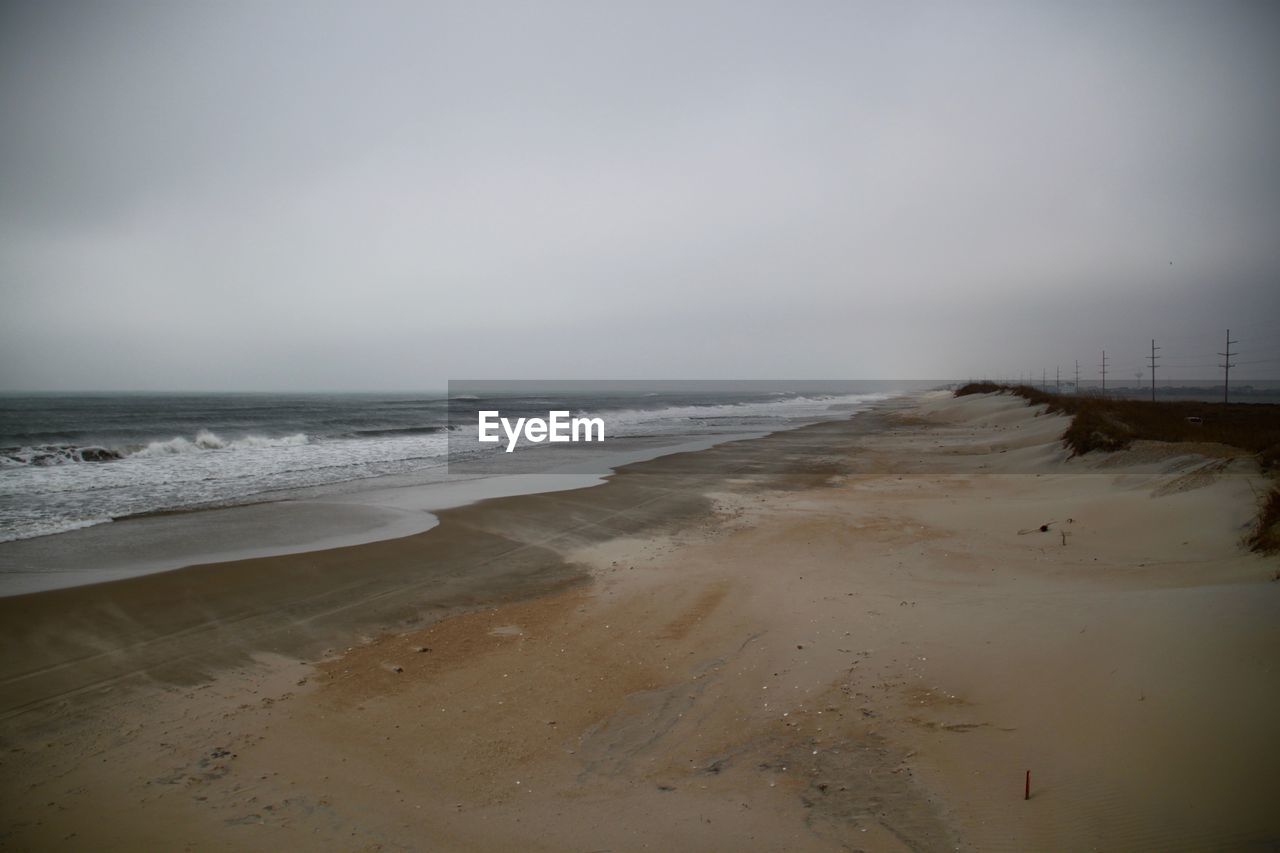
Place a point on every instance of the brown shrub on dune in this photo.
(1103, 423)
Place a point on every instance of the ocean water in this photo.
(70, 461)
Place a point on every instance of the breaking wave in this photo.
(206, 440)
(45, 455)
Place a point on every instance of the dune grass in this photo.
(1105, 423)
(1266, 533)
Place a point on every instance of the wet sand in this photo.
(847, 636)
(318, 518)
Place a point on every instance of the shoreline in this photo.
(61, 512)
(848, 634)
(342, 599)
(318, 518)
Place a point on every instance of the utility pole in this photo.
(1226, 365)
(1152, 358)
(1044, 379)
(1077, 376)
(1057, 379)
(1104, 372)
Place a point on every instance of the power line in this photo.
(1226, 366)
(1255, 328)
(1152, 358)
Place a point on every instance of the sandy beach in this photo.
(849, 636)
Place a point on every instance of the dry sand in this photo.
(849, 636)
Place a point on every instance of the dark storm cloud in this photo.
(312, 195)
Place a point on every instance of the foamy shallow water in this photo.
(69, 462)
(339, 515)
(37, 500)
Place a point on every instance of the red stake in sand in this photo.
(1026, 794)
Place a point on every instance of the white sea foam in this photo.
(54, 488)
(48, 527)
(207, 440)
(682, 418)
(205, 470)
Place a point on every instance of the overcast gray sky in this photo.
(307, 195)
